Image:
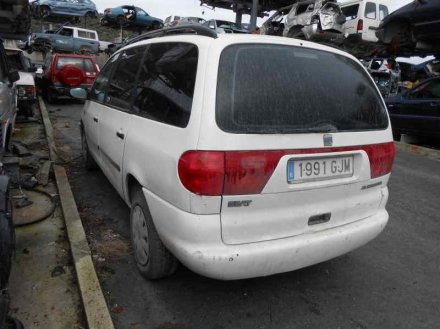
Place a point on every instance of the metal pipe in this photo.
(254, 13)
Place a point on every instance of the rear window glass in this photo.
(350, 12)
(84, 64)
(284, 89)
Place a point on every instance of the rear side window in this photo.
(166, 83)
(274, 89)
(383, 12)
(85, 64)
(87, 34)
(123, 81)
(350, 12)
(370, 10)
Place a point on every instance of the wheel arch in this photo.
(131, 182)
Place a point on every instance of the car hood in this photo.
(26, 79)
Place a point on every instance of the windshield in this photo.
(228, 24)
(350, 12)
(285, 89)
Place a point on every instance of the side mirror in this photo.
(13, 76)
(79, 93)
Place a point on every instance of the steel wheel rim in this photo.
(140, 236)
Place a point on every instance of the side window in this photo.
(99, 88)
(66, 32)
(165, 87)
(383, 12)
(123, 81)
(211, 25)
(429, 90)
(370, 10)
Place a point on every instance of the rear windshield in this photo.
(84, 64)
(266, 89)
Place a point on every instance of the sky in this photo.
(165, 8)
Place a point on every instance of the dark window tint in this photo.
(123, 81)
(370, 10)
(383, 12)
(283, 89)
(99, 88)
(85, 64)
(166, 83)
(350, 12)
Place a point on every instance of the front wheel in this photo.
(153, 259)
(88, 160)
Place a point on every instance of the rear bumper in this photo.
(65, 91)
(196, 241)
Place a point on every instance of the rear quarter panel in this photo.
(153, 149)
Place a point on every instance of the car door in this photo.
(420, 114)
(8, 99)
(95, 106)
(371, 22)
(63, 40)
(114, 121)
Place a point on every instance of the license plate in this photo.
(319, 169)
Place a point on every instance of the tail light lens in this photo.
(30, 90)
(360, 26)
(247, 172)
(389, 66)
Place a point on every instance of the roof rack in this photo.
(182, 29)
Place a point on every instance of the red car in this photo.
(63, 72)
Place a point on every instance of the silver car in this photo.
(8, 97)
(315, 20)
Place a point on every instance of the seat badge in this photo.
(328, 140)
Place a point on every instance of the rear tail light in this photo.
(389, 66)
(215, 173)
(30, 90)
(360, 26)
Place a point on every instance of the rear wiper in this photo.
(324, 128)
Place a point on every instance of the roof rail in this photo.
(182, 29)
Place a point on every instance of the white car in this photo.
(363, 17)
(233, 166)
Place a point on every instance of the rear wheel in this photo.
(153, 259)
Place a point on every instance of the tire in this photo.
(103, 22)
(157, 26)
(88, 160)
(6, 248)
(51, 97)
(153, 259)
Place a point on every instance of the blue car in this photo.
(130, 17)
(64, 8)
(417, 111)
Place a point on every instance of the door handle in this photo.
(95, 119)
(120, 134)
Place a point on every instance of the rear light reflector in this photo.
(202, 172)
(360, 26)
(215, 173)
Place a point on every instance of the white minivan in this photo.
(233, 166)
(363, 17)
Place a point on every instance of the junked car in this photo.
(417, 111)
(386, 73)
(414, 28)
(64, 8)
(130, 17)
(315, 20)
(227, 170)
(275, 25)
(26, 90)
